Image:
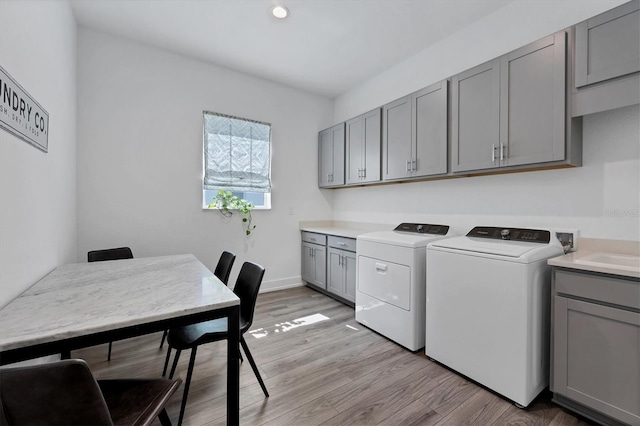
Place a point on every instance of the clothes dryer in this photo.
(390, 281)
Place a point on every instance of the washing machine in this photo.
(390, 281)
(488, 308)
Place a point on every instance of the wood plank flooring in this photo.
(332, 371)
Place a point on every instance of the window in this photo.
(237, 158)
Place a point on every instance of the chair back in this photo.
(63, 392)
(223, 268)
(246, 288)
(109, 254)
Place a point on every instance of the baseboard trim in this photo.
(281, 284)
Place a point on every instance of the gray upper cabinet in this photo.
(363, 148)
(512, 111)
(607, 61)
(475, 118)
(396, 139)
(532, 103)
(331, 156)
(414, 137)
(608, 45)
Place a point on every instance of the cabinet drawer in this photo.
(342, 243)
(312, 237)
(617, 291)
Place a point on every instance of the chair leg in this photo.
(166, 361)
(164, 336)
(109, 353)
(253, 365)
(175, 363)
(240, 355)
(187, 383)
(164, 418)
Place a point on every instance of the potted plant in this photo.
(226, 203)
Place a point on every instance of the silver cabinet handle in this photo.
(502, 147)
(414, 164)
(340, 243)
(364, 172)
(408, 166)
(381, 267)
(493, 153)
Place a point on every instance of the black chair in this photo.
(66, 393)
(109, 254)
(191, 336)
(222, 271)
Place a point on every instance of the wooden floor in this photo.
(321, 367)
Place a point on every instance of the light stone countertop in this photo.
(343, 229)
(85, 298)
(587, 247)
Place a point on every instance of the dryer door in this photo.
(386, 281)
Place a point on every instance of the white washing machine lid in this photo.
(402, 239)
(517, 251)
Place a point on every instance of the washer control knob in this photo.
(420, 228)
(505, 234)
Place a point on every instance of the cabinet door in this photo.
(596, 357)
(335, 272)
(307, 263)
(325, 154)
(349, 265)
(355, 149)
(608, 45)
(396, 139)
(429, 130)
(331, 156)
(532, 103)
(363, 148)
(475, 125)
(320, 265)
(371, 126)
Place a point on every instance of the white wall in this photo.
(37, 189)
(140, 157)
(602, 198)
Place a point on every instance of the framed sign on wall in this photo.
(22, 115)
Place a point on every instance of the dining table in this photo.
(84, 304)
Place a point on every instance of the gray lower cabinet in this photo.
(314, 259)
(341, 268)
(607, 60)
(511, 112)
(363, 148)
(596, 345)
(331, 156)
(414, 134)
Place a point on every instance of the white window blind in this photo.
(237, 154)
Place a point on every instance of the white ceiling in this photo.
(324, 46)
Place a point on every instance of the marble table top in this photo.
(85, 298)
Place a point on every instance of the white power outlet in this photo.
(568, 238)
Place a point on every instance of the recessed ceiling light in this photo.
(280, 12)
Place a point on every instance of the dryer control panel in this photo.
(513, 234)
(423, 228)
